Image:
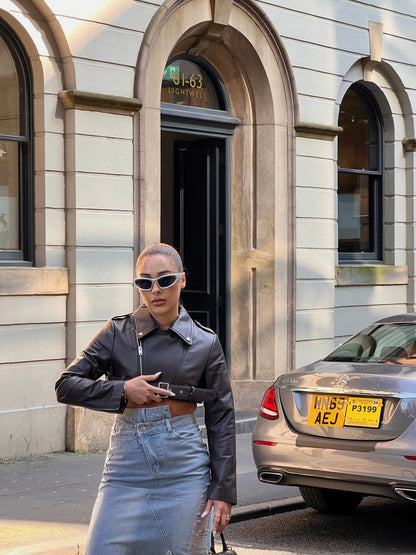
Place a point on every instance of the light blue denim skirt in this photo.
(153, 488)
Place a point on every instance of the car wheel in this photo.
(330, 500)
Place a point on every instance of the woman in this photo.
(161, 492)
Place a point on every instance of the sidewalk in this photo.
(46, 501)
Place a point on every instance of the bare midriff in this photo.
(177, 408)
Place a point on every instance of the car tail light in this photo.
(410, 458)
(268, 407)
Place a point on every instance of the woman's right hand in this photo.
(140, 392)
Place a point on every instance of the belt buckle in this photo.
(163, 385)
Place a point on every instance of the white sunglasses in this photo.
(164, 282)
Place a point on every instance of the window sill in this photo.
(33, 281)
(370, 274)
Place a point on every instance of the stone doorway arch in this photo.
(240, 42)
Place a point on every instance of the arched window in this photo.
(187, 83)
(360, 178)
(16, 165)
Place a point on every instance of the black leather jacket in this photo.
(186, 354)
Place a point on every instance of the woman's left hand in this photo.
(222, 514)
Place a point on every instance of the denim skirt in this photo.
(153, 488)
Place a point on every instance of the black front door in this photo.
(197, 195)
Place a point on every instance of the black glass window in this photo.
(359, 178)
(16, 173)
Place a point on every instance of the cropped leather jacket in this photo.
(186, 354)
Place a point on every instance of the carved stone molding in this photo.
(33, 281)
(97, 102)
(370, 274)
(221, 11)
(317, 131)
(409, 145)
(375, 31)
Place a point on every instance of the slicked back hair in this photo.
(161, 248)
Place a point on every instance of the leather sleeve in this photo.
(220, 424)
(80, 385)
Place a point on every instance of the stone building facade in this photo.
(272, 142)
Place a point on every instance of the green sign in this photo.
(170, 72)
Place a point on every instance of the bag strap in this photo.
(224, 544)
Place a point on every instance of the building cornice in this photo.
(74, 99)
(370, 274)
(17, 281)
(317, 131)
(409, 145)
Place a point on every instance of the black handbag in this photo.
(225, 547)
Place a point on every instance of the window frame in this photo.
(25, 255)
(375, 181)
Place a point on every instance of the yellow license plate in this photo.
(337, 411)
(364, 412)
(328, 410)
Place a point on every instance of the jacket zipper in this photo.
(140, 350)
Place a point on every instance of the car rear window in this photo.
(392, 343)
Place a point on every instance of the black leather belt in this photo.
(191, 393)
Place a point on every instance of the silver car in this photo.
(344, 427)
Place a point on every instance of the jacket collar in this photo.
(145, 324)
